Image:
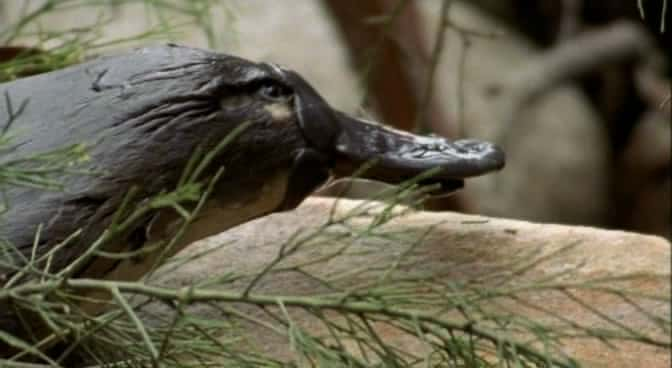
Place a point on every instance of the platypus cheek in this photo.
(279, 112)
(310, 169)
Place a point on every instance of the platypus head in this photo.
(144, 113)
(318, 142)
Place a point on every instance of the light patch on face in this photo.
(279, 112)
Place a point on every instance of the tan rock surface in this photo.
(462, 247)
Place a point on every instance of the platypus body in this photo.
(142, 115)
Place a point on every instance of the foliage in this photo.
(466, 323)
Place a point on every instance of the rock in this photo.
(459, 248)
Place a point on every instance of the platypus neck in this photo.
(230, 206)
(217, 215)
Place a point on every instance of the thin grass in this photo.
(472, 323)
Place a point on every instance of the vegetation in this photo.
(465, 323)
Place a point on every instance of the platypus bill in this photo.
(142, 115)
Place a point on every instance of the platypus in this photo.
(141, 116)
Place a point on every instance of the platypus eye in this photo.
(274, 91)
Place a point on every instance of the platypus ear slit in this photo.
(310, 169)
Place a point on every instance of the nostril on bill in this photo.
(472, 145)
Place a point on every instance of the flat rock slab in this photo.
(459, 247)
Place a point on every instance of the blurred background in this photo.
(577, 92)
